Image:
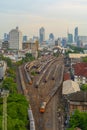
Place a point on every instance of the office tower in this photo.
(25, 38)
(35, 38)
(76, 34)
(42, 35)
(6, 37)
(15, 39)
(64, 42)
(58, 42)
(70, 38)
(51, 36)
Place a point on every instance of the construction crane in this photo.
(4, 120)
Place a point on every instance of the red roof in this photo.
(80, 69)
(66, 76)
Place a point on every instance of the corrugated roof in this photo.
(69, 87)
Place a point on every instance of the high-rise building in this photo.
(25, 38)
(15, 39)
(70, 38)
(76, 34)
(42, 35)
(51, 36)
(64, 41)
(6, 37)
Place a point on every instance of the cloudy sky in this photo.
(56, 16)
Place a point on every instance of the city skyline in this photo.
(55, 16)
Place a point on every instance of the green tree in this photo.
(84, 59)
(84, 87)
(9, 84)
(79, 119)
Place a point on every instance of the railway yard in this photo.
(41, 82)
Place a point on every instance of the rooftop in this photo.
(69, 87)
(80, 69)
(78, 96)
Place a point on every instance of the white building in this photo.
(3, 67)
(69, 87)
(0, 43)
(15, 39)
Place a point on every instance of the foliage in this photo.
(16, 112)
(79, 119)
(84, 59)
(11, 73)
(16, 104)
(76, 49)
(84, 87)
(33, 73)
(28, 57)
(9, 84)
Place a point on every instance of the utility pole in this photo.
(4, 120)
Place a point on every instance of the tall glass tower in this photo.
(76, 34)
(42, 34)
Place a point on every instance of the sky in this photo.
(56, 16)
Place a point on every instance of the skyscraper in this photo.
(70, 38)
(76, 34)
(15, 39)
(24, 38)
(51, 36)
(42, 35)
(6, 37)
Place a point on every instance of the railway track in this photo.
(44, 92)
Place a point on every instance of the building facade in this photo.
(77, 101)
(70, 38)
(3, 67)
(42, 35)
(51, 36)
(15, 39)
(76, 35)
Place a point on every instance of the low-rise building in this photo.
(75, 58)
(3, 67)
(32, 47)
(77, 101)
(5, 45)
(80, 72)
(69, 87)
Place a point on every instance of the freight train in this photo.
(53, 91)
(31, 119)
(27, 75)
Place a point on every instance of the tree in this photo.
(9, 84)
(79, 119)
(84, 87)
(84, 59)
(17, 112)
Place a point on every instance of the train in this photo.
(47, 76)
(42, 107)
(54, 74)
(53, 91)
(31, 119)
(22, 82)
(28, 76)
